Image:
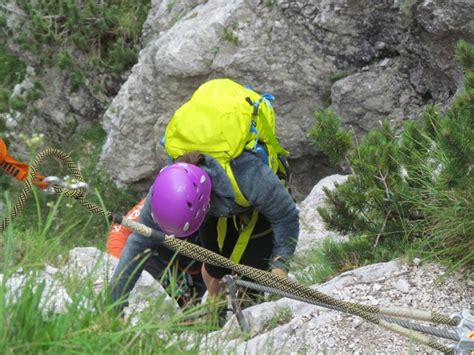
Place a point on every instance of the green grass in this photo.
(447, 224)
(105, 36)
(89, 323)
(88, 327)
(44, 233)
(269, 3)
(330, 258)
(281, 316)
(71, 221)
(338, 76)
(12, 72)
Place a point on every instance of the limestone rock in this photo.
(93, 264)
(442, 18)
(54, 297)
(366, 98)
(373, 60)
(84, 264)
(312, 226)
(402, 285)
(317, 330)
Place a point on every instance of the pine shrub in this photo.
(418, 187)
(106, 31)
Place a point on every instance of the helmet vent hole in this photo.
(195, 186)
(197, 213)
(203, 179)
(190, 205)
(200, 197)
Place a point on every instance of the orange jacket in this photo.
(118, 234)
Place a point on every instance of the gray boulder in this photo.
(394, 58)
(54, 297)
(91, 268)
(287, 326)
(312, 228)
(94, 266)
(381, 91)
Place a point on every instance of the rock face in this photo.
(59, 108)
(372, 59)
(288, 326)
(85, 265)
(54, 114)
(379, 91)
(312, 229)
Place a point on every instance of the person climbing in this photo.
(235, 201)
(163, 265)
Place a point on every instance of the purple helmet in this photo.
(180, 198)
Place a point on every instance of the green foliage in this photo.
(89, 323)
(17, 103)
(338, 76)
(77, 80)
(108, 31)
(65, 60)
(465, 55)
(333, 257)
(4, 98)
(84, 148)
(230, 36)
(121, 57)
(281, 316)
(418, 187)
(3, 21)
(329, 137)
(12, 72)
(326, 98)
(268, 3)
(11, 69)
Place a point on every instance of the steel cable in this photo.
(442, 333)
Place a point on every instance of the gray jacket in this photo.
(263, 190)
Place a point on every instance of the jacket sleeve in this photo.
(266, 193)
(132, 261)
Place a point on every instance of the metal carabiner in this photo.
(465, 330)
(54, 181)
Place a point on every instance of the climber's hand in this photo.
(279, 272)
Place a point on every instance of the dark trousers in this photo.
(258, 251)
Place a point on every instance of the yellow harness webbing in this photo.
(243, 239)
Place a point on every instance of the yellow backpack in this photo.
(221, 119)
